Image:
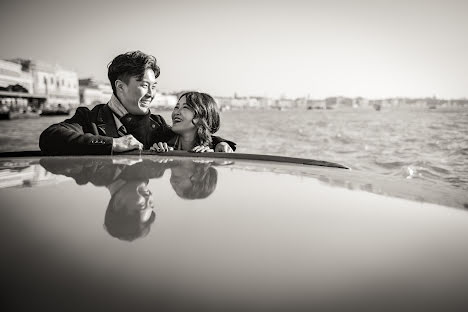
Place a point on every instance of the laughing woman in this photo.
(195, 119)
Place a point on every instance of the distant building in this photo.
(58, 85)
(458, 103)
(17, 91)
(360, 102)
(224, 103)
(265, 102)
(315, 104)
(94, 92)
(337, 102)
(164, 101)
(13, 78)
(282, 104)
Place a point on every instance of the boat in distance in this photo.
(216, 231)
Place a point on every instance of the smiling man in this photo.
(125, 123)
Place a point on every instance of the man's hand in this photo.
(223, 147)
(126, 143)
(161, 147)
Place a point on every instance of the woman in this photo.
(193, 179)
(195, 119)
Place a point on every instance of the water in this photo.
(425, 144)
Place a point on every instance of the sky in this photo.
(292, 48)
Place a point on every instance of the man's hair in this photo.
(206, 110)
(131, 64)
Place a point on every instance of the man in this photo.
(124, 123)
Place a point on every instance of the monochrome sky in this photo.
(290, 48)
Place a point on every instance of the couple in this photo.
(125, 123)
(130, 210)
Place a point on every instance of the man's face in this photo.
(137, 95)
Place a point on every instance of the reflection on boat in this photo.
(130, 212)
(24, 173)
(181, 231)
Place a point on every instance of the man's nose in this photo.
(150, 92)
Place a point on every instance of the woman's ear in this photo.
(195, 121)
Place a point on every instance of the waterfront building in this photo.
(164, 101)
(59, 86)
(282, 104)
(316, 104)
(252, 102)
(458, 103)
(223, 102)
(338, 101)
(264, 102)
(17, 91)
(360, 102)
(94, 92)
(419, 103)
(237, 102)
(13, 78)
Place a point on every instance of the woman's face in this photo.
(182, 117)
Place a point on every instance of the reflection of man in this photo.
(129, 214)
(125, 123)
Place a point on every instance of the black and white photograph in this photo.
(234, 155)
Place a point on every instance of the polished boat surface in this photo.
(215, 232)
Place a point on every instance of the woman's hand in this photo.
(161, 147)
(202, 149)
(223, 147)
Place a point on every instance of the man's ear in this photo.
(120, 86)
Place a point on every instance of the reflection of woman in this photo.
(194, 119)
(193, 180)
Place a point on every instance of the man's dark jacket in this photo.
(90, 132)
(102, 171)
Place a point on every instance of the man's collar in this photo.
(116, 107)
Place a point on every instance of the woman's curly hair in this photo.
(203, 179)
(206, 111)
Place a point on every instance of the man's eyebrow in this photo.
(148, 81)
(142, 78)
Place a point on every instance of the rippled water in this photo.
(412, 143)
